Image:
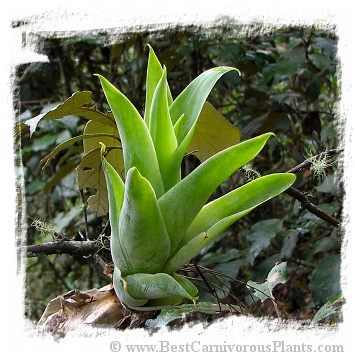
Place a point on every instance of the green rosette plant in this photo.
(159, 221)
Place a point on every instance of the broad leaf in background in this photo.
(261, 233)
(213, 133)
(325, 280)
(277, 275)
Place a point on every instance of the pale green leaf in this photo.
(160, 285)
(142, 234)
(244, 198)
(186, 109)
(162, 131)
(181, 203)
(138, 147)
(121, 289)
(115, 191)
(154, 74)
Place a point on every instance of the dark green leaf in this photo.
(261, 233)
(289, 245)
(325, 280)
(313, 90)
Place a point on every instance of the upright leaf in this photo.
(133, 130)
(186, 109)
(162, 131)
(115, 190)
(154, 73)
(243, 198)
(142, 233)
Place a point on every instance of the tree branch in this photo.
(309, 206)
(64, 247)
(302, 198)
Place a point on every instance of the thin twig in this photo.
(85, 215)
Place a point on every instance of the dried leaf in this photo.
(213, 133)
(94, 307)
(90, 174)
(79, 104)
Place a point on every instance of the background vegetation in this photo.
(289, 85)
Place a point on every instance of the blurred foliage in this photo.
(289, 85)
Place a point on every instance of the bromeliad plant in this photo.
(159, 221)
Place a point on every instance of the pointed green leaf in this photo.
(213, 133)
(154, 74)
(142, 232)
(192, 98)
(186, 109)
(181, 204)
(138, 148)
(246, 197)
(185, 253)
(215, 217)
(162, 131)
(115, 191)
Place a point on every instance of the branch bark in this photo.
(309, 206)
(64, 246)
